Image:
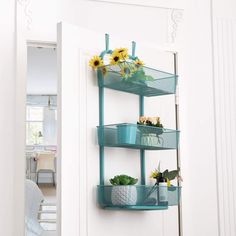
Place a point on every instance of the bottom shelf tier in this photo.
(138, 197)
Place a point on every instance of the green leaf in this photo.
(149, 78)
(140, 75)
(123, 180)
(133, 181)
(165, 173)
(171, 175)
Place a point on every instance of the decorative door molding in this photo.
(175, 18)
(225, 115)
(169, 4)
(25, 5)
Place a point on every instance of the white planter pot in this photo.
(124, 195)
(149, 140)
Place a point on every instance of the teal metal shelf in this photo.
(145, 81)
(138, 197)
(135, 136)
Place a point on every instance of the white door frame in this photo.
(21, 65)
(21, 43)
(20, 108)
(20, 162)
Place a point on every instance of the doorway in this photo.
(41, 149)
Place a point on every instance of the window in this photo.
(41, 120)
(34, 125)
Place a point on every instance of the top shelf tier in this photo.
(140, 80)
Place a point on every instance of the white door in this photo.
(78, 116)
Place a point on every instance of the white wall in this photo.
(224, 46)
(7, 116)
(200, 216)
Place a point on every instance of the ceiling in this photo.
(41, 70)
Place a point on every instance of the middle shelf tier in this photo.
(126, 135)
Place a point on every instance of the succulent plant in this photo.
(123, 180)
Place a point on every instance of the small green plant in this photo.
(169, 175)
(123, 180)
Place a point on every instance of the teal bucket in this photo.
(126, 133)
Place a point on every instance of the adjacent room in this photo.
(41, 139)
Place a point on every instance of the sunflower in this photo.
(138, 62)
(168, 182)
(115, 58)
(134, 68)
(126, 72)
(96, 62)
(123, 53)
(104, 70)
(154, 174)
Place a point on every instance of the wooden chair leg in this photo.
(53, 178)
(37, 178)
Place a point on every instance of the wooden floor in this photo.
(49, 192)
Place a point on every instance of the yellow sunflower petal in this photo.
(133, 67)
(154, 174)
(96, 62)
(126, 72)
(139, 62)
(123, 53)
(168, 182)
(115, 58)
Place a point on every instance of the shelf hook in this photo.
(107, 41)
(133, 48)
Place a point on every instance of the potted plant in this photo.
(162, 187)
(169, 175)
(149, 136)
(123, 191)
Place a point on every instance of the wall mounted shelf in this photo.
(145, 82)
(134, 136)
(146, 197)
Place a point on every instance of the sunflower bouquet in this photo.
(122, 64)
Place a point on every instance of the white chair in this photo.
(46, 164)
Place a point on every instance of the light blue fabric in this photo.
(33, 199)
(32, 227)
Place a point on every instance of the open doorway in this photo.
(41, 140)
